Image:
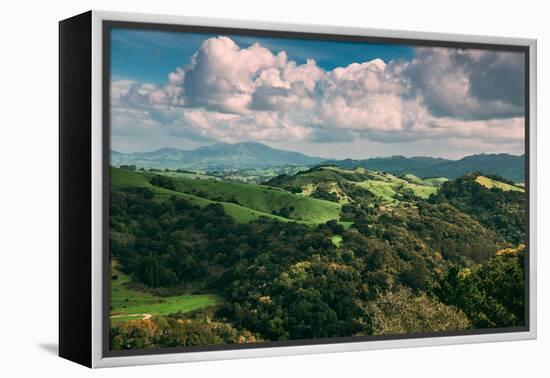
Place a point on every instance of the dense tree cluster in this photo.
(323, 193)
(499, 210)
(402, 312)
(285, 211)
(171, 331)
(492, 294)
(163, 182)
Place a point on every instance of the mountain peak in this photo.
(243, 155)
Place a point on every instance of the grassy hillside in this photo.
(390, 188)
(128, 304)
(491, 183)
(253, 201)
(121, 178)
(263, 199)
(381, 189)
(341, 184)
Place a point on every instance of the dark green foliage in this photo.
(335, 227)
(315, 297)
(158, 242)
(322, 193)
(233, 200)
(163, 182)
(439, 228)
(491, 294)
(502, 211)
(417, 275)
(285, 211)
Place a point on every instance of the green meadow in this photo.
(131, 304)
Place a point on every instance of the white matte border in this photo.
(97, 175)
(97, 191)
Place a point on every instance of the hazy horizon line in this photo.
(407, 156)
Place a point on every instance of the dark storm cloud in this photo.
(468, 84)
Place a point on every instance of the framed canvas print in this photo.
(235, 189)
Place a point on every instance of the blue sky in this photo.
(148, 56)
(323, 98)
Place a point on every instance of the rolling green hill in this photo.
(344, 185)
(121, 178)
(390, 187)
(244, 202)
(263, 199)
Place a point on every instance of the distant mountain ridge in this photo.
(511, 167)
(249, 155)
(396, 164)
(219, 156)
